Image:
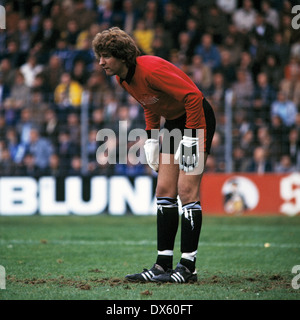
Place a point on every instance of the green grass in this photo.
(87, 258)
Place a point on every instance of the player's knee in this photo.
(164, 190)
(188, 193)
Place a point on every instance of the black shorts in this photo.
(170, 144)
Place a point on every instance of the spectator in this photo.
(92, 145)
(293, 147)
(151, 14)
(24, 126)
(295, 50)
(2, 128)
(98, 88)
(11, 111)
(247, 144)
(28, 167)
(273, 70)
(80, 73)
(7, 72)
(54, 169)
(227, 6)
(209, 52)
(233, 47)
(192, 28)
(262, 31)
(144, 37)
(285, 165)
(240, 162)
(20, 92)
(12, 54)
(227, 68)
(59, 16)
(103, 167)
(45, 39)
(130, 16)
(131, 168)
(73, 127)
(4, 89)
(246, 64)
(105, 14)
(280, 135)
(7, 167)
(185, 50)
(290, 35)
(72, 33)
(3, 41)
(218, 152)
(30, 70)
(285, 109)
(37, 106)
(68, 92)
(63, 52)
(172, 21)
(260, 163)
(244, 17)
(23, 37)
(13, 144)
(36, 19)
(264, 95)
(290, 84)
(50, 126)
(243, 90)
(75, 169)
(97, 119)
(162, 42)
(217, 93)
(272, 16)
(84, 53)
(264, 139)
(66, 149)
(280, 49)
(216, 24)
(52, 72)
(40, 148)
(200, 73)
(82, 14)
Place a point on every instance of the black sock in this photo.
(191, 222)
(167, 226)
(191, 265)
(166, 262)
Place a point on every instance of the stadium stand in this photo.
(46, 62)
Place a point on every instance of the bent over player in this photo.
(164, 90)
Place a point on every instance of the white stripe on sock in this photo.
(189, 255)
(165, 253)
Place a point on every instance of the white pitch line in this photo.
(9, 242)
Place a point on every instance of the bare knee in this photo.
(188, 193)
(166, 190)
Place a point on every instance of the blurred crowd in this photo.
(246, 50)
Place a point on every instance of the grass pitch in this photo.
(86, 258)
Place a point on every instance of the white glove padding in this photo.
(152, 153)
(188, 153)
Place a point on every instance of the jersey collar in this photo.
(129, 75)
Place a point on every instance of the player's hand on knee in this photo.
(188, 153)
(151, 148)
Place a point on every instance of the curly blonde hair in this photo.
(117, 43)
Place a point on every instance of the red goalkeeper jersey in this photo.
(164, 90)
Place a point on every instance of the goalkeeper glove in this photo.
(151, 148)
(188, 153)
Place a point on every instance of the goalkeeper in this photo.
(165, 91)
